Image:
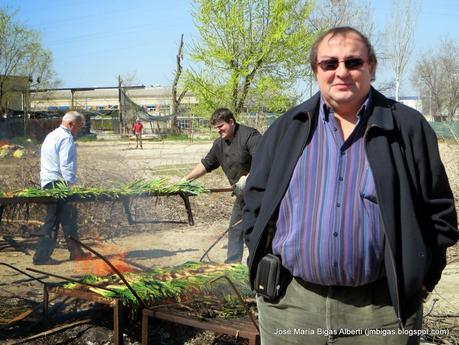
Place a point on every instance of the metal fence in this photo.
(446, 130)
(36, 129)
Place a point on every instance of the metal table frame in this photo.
(115, 303)
(237, 327)
(104, 198)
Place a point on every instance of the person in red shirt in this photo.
(137, 128)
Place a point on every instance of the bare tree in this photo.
(176, 100)
(332, 13)
(436, 76)
(427, 79)
(399, 37)
(129, 79)
(449, 61)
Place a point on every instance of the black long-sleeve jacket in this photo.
(235, 155)
(415, 199)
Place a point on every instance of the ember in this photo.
(98, 267)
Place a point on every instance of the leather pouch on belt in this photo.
(267, 279)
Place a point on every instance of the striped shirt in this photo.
(328, 229)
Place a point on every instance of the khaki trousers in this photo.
(314, 314)
(138, 139)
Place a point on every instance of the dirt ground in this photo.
(160, 235)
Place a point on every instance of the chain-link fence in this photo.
(446, 130)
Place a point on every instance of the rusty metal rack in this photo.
(115, 303)
(103, 198)
(240, 328)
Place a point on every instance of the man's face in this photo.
(344, 88)
(75, 126)
(225, 129)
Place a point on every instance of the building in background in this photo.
(14, 92)
(156, 100)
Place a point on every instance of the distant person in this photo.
(347, 192)
(58, 165)
(233, 151)
(137, 128)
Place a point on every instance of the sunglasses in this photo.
(332, 64)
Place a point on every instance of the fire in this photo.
(98, 267)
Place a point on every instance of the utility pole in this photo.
(120, 107)
(25, 106)
(72, 99)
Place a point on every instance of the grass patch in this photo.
(86, 138)
(197, 136)
(175, 137)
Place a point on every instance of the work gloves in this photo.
(239, 186)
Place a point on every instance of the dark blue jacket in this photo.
(415, 199)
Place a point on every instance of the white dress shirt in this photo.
(58, 157)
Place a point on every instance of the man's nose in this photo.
(342, 69)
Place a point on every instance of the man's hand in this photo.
(425, 294)
(239, 186)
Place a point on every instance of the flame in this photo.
(98, 267)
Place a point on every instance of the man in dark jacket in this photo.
(349, 191)
(233, 151)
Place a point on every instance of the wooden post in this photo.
(72, 99)
(45, 302)
(118, 323)
(145, 318)
(127, 211)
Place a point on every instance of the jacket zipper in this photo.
(399, 319)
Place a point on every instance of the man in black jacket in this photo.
(349, 191)
(233, 151)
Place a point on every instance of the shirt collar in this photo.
(66, 129)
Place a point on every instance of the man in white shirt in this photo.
(58, 165)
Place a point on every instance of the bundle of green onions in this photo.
(180, 283)
(159, 186)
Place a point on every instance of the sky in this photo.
(94, 41)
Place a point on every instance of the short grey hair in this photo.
(73, 116)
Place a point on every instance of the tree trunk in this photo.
(176, 100)
(178, 72)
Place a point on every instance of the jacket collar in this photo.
(381, 116)
(382, 111)
(310, 106)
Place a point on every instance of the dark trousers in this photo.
(59, 213)
(235, 234)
